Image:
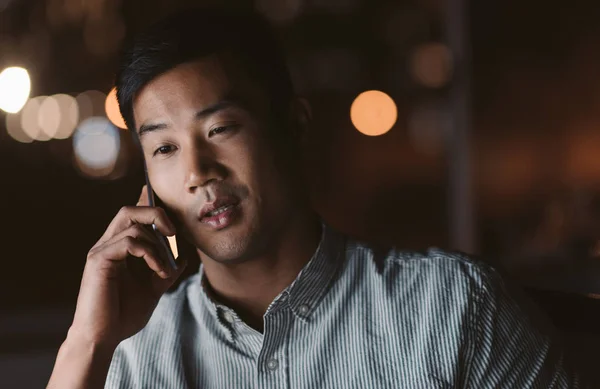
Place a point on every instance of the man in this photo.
(281, 300)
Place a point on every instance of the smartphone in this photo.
(164, 241)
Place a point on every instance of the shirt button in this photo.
(304, 309)
(273, 364)
(228, 316)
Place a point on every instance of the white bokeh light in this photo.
(14, 129)
(69, 115)
(96, 144)
(15, 86)
(49, 116)
(30, 119)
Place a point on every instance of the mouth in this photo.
(220, 213)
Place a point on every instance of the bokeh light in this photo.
(14, 128)
(90, 103)
(49, 116)
(44, 118)
(84, 106)
(69, 116)
(112, 109)
(15, 86)
(30, 123)
(96, 145)
(373, 113)
(431, 65)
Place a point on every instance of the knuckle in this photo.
(136, 245)
(137, 230)
(131, 242)
(125, 210)
(161, 214)
(143, 234)
(95, 254)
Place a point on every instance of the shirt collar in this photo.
(309, 287)
(306, 291)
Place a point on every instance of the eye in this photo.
(167, 149)
(219, 130)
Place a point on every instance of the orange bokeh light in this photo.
(112, 109)
(373, 113)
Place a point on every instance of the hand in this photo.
(125, 275)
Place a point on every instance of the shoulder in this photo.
(434, 280)
(434, 267)
(446, 281)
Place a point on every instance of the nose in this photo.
(201, 168)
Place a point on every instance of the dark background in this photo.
(535, 138)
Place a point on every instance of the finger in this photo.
(120, 250)
(137, 231)
(130, 215)
(143, 200)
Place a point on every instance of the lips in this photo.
(220, 206)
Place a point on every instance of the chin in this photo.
(233, 244)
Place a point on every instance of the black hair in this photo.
(194, 33)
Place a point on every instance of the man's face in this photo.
(202, 126)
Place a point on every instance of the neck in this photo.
(250, 287)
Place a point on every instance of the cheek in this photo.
(161, 180)
(268, 175)
(167, 186)
(246, 161)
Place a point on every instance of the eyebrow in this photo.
(200, 115)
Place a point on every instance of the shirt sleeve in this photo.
(514, 344)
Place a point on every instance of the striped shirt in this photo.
(353, 318)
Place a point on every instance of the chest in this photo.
(359, 345)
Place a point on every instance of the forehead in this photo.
(191, 86)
